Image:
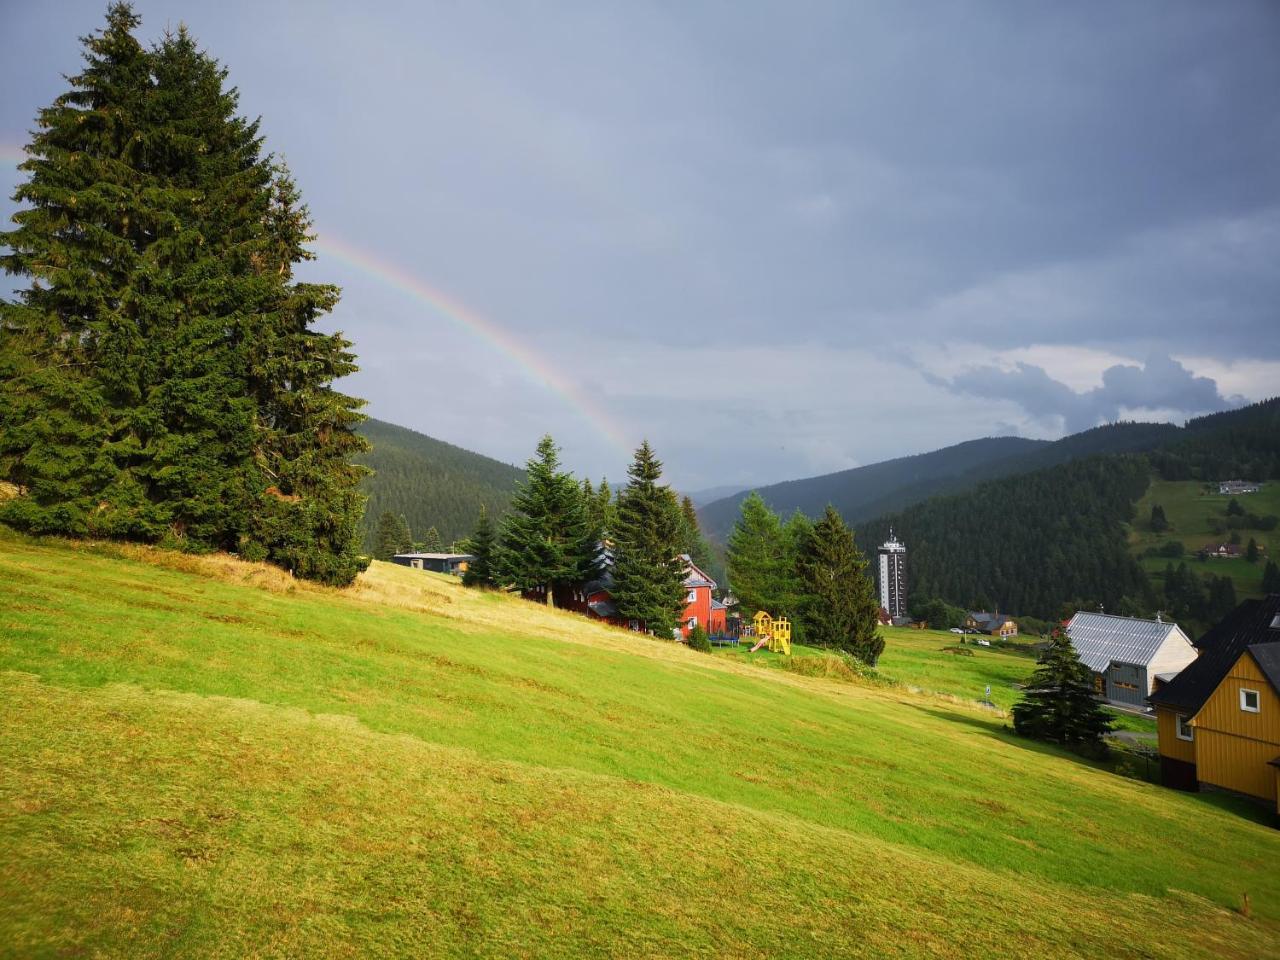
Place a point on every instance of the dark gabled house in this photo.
(1218, 721)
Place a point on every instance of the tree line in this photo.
(811, 572)
(562, 535)
(161, 379)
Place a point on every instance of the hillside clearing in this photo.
(204, 758)
(1189, 511)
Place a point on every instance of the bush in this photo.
(836, 665)
(698, 639)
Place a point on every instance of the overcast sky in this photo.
(774, 239)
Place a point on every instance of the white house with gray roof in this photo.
(1130, 657)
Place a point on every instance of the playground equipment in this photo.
(776, 632)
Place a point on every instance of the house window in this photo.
(693, 622)
(693, 596)
(1184, 729)
(1249, 701)
(1124, 685)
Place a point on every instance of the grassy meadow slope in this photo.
(1190, 511)
(204, 758)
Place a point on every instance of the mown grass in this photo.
(1189, 511)
(204, 758)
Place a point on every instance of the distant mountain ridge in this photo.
(864, 493)
(431, 482)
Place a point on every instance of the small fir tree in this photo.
(699, 640)
(386, 539)
(1159, 523)
(432, 542)
(840, 606)
(481, 571)
(546, 537)
(757, 557)
(648, 572)
(695, 544)
(1058, 704)
(1234, 509)
(1251, 552)
(1271, 578)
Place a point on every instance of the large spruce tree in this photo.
(159, 379)
(648, 571)
(1058, 704)
(547, 539)
(839, 605)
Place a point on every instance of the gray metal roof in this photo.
(1100, 639)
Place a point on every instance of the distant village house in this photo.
(1233, 488)
(992, 624)
(454, 563)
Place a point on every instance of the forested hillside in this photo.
(853, 491)
(867, 492)
(430, 482)
(1028, 543)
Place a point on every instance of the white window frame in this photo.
(693, 622)
(1257, 701)
(1183, 722)
(692, 597)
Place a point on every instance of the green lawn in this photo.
(203, 758)
(1189, 511)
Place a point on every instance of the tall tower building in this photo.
(893, 576)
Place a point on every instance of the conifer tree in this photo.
(546, 537)
(1271, 578)
(1159, 523)
(387, 536)
(758, 558)
(482, 545)
(840, 606)
(159, 379)
(1251, 552)
(432, 542)
(70, 344)
(1058, 704)
(695, 544)
(648, 572)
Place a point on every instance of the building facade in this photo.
(1130, 657)
(454, 563)
(892, 576)
(1218, 722)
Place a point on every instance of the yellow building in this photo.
(1218, 721)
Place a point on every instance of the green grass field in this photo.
(1189, 511)
(204, 758)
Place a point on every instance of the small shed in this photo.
(454, 563)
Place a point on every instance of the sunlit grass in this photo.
(203, 757)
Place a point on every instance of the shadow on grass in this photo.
(1245, 807)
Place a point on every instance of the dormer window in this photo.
(1250, 702)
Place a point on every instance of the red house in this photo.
(700, 607)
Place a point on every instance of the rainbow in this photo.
(536, 367)
(384, 271)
